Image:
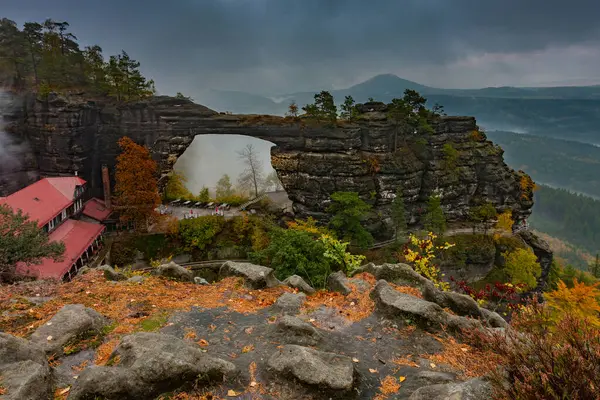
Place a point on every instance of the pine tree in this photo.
(435, 220)
(398, 214)
(348, 108)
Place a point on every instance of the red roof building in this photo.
(52, 202)
(96, 209)
(80, 238)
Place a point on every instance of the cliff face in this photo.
(368, 156)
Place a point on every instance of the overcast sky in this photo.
(279, 46)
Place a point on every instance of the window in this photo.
(64, 214)
(50, 225)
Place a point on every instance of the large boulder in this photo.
(174, 271)
(474, 389)
(295, 331)
(461, 304)
(71, 323)
(338, 282)
(401, 274)
(24, 371)
(313, 367)
(255, 276)
(425, 314)
(290, 303)
(297, 282)
(150, 364)
(110, 274)
(493, 319)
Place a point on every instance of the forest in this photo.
(563, 163)
(46, 57)
(577, 223)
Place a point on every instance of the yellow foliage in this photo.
(310, 226)
(421, 253)
(527, 187)
(581, 301)
(505, 221)
(522, 267)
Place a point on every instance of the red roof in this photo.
(96, 209)
(44, 199)
(77, 237)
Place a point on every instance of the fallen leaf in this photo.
(212, 327)
(49, 338)
(252, 384)
(249, 330)
(248, 349)
(231, 393)
(65, 390)
(311, 320)
(464, 349)
(203, 342)
(372, 370)
(432, 365)
(401, 378)
(355, 360)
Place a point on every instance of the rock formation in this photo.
(312, 160)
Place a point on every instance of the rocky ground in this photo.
(385, 333)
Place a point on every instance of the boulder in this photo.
(434, 377)
(136, 279)
(461, 304)
(72, 322)
(110, 274)
(296, 331)
(174, 271)
(297, 282)
(150, 364)
(200, 281)
(26, 380)
(24, 370)
(474, 389)
(493, 319)
(401, 274)
(255, 276)
(290, 302)
(338, 282)
(313, 367)
(425, 314)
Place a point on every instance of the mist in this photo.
(11, 152)
(209, 157)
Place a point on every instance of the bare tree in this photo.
(253, 175)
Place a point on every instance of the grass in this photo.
(154, 322)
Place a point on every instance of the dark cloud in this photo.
(281, 45)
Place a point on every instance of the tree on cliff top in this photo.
(21, 240)
(323, 108)
(348, 211)
(136, 187)
(175, 188)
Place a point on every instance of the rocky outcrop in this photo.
(312, 160)
(543, 253)
(24, 371)
(71, 323)
(255, 276)
(313, 367)
(150, 364)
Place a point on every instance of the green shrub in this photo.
(200, 232)
(122, 253)
(294, 252)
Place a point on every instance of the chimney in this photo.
(106, 186)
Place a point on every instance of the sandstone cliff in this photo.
(368, 156)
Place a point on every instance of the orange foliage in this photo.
(476, 136)
(136, 187)
(355, 306)
(389, 385)
(580, 301)
(408, 290)
(406, 361)
(471, 361)
(527, 186)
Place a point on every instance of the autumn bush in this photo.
(545, 357)
(198, 233)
